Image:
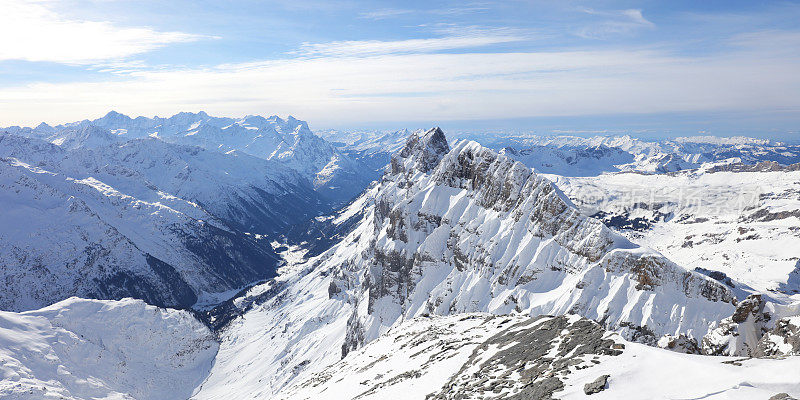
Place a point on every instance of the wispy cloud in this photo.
(455, 38)
(385, 13)
(614, 23)
(437, 86)
(464, 9)
(32, 31)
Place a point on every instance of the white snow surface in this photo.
(95, 349)
(744, 224)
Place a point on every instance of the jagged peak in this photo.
(435, 139)
(296, 125)
(422, 151)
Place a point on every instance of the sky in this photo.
(647, 68)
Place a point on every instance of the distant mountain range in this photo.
(591, 156)
(289, 142)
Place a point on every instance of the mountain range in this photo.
(392, 265)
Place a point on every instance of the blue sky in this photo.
(651, 68)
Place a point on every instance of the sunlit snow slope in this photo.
(93, 349)
(741, 220)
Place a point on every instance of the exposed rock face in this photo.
(529, 360)
(422, 152)
(597, 386)
(762, 166)
(485, 356)
(679, 343)
(739, 334)
(782, 340)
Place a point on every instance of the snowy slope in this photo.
(570, 161)
(449, 231)
(130, 239)
(738, 220)
(499, 357)
(82, 349)
(371, 149)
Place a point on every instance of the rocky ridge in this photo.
(455, 230)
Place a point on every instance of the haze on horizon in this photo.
(651, 69)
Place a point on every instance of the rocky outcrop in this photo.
(470, 356)
(762, 166)
(739, 334)
(679, 343)
(531, 360)
(781, 340)
(421, 152)
(753, 331)
(596, 386)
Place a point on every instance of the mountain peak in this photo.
(422, 151)
(115, 115)
(435, 139)
(113, 118)
(44, 127)
(297, 126)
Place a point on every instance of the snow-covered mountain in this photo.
(591, 156)
(170, 210)
(289, 142)
(148, 219)
(448, 231)
(460, 273)
(738, 221)
(574, 156)
(372, 149)
(91, 349)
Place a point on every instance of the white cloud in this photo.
(614, 23)
(385, 13)
(32, 31)
(637, 18)
(457, 38)
(424, 86)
